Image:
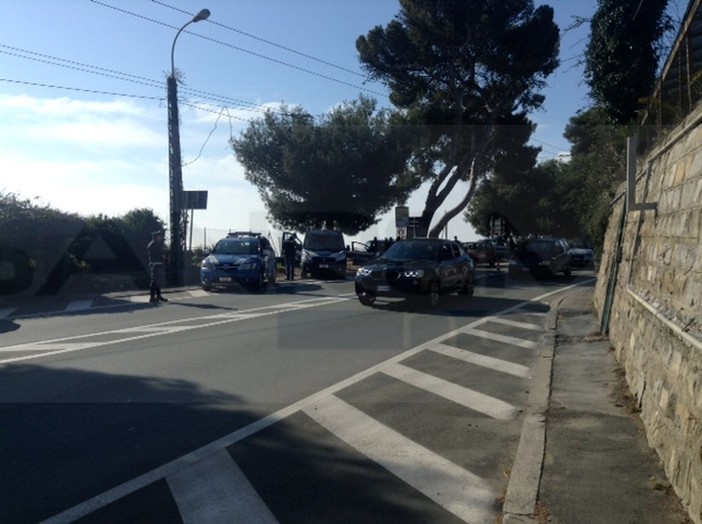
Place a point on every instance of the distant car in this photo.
(324, 251)
(482, 252)
(541, 257)
(420, 267)
(242, 258)
(581, 254)
(362, 252)
(502, 248)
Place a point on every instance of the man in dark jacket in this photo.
(289, 253)
(157, 266)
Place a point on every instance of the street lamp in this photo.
(175, 171)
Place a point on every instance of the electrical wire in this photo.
(266, 41)
(241, 49)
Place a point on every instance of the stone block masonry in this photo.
(655, 324)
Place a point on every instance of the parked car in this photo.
(242, 258)
(482, 252)
(324, 251)
(426, 267)
(581, 254)
(362, 252)
(539, 257)
(502, 248)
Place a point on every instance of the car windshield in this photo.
(236, 247)
(324, 242)
(412, 250)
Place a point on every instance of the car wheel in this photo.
(366, 299)
(206, 287)
(567, 272)
(433, 297)
(468, 289)
(260, 282)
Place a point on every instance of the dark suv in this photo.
(324, 251)
(242, 258)
(541, 257)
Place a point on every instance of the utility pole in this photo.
(175, 167)
(175, 184)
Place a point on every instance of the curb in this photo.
(524, 481)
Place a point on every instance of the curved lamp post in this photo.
(175, 172)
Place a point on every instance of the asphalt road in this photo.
(305, 404)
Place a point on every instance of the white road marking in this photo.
(501, 338)
(55, 346)
(504, 366)
(107, 497)
(6, 312)
(459, 491)
(214, 490)
(199, 293)
(78, 305)
(485, 404)
(514, 323)
(78, 343)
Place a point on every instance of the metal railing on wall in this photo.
(679, 88)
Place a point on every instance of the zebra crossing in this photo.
(439, 423)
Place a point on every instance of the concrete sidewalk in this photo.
(596, 465)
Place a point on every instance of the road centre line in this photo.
(107, 497)
(216, 490)
(457, 490)
(496, 364)
(501, 338)
(485, 404)
(71, 344)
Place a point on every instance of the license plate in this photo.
(383, 289)
(323, 266)
(225, 279)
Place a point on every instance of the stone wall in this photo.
(655, 293)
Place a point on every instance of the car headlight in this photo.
(413, 273)
(545, 263)
(248, 265)
(513, 262)
(207, 264)
(363, 271)
(340, 257)
(306, 257)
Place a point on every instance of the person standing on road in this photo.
(157, 266)
(289, 252)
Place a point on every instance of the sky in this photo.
(83, 115)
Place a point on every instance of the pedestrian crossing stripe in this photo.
(457, 490)
(528, 344)
(485, 404)
(496, 364)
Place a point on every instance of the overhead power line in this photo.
(241, 49)
(53, 86)
(119, 75)
(269, 42)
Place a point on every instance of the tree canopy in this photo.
(622, 54)
(341, 170)
(469, 72)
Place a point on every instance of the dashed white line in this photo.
(503, 366)
(457, 490)
(214, 490)
(490, 406)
